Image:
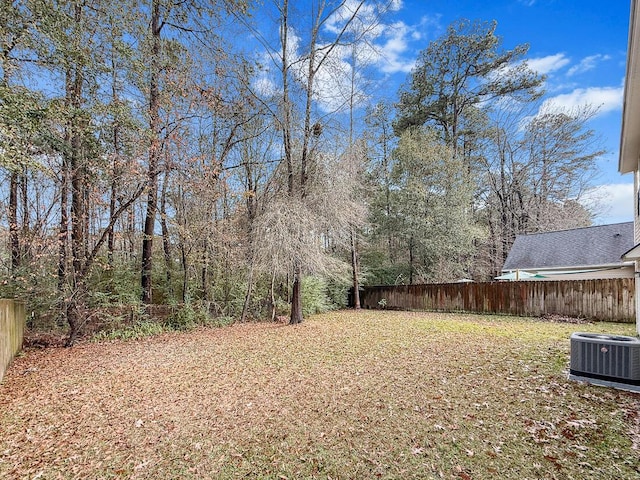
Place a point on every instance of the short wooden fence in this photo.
(12, 324)
(610, 299)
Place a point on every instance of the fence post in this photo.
(12, 325)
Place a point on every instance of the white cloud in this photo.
(393, 47)
(348, 9)
(605, 99)
(548, 64)
(368, 43)
(381, 46)
(362, 15)
(264, 85)
(587, 63)
(611, 203)
(333, 83)
(390, 47)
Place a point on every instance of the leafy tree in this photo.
(382, 252)
(457, 74)
(21, 112)
(433, 214)
(254, 167)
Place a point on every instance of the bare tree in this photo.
(299, 65)
(191, 20)
(536, 171)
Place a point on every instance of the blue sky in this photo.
(579, 44)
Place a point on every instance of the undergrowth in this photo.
(185, 318)
(140, 329)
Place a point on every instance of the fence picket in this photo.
(608, 299)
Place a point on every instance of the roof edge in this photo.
(630, 223)
(630, 132)
(632, 254)
(603, 266)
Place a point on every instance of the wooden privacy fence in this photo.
(610, 299)
(12, 323)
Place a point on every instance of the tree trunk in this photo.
(75, 309)
(78, 206)
(131, 232)
(247, 296)
(63, 234)
(14, 237)
(166, 244)
(112, 209)
(185, 271)
(354, 269)
(73, 318)
(24, 187)
(204, 271)
(115, 172)
(74, 301)
(411, 261)
(296, 297)
(154, 154)
(272, 296)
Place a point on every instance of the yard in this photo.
(342, 396)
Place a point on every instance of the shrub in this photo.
(188, 316)
(314, 296)
(141, 329)
(338, 291)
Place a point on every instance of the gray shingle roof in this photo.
(579, 247)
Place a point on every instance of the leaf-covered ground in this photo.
(342, 396)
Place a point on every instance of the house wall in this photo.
(636, 237)
(623, 272)
(630, 136)
(636, 207)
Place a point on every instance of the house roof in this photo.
(602, 245)
(630, 135)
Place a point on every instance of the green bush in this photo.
(188, 316)
(32, 285)
(282, 307)
(141, 329)
(219, 321)
(118, 284)
(338, 291)
(377, 269)
(314, 296)
(185, 317)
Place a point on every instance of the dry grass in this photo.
(343, 395)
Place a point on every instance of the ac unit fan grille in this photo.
(606, 357)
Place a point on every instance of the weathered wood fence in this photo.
(610, 299)
(12, 323)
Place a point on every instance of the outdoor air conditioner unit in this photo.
(608, 360)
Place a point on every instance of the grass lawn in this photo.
(343, 396)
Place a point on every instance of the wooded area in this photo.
(148, 157)
(609, 300)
